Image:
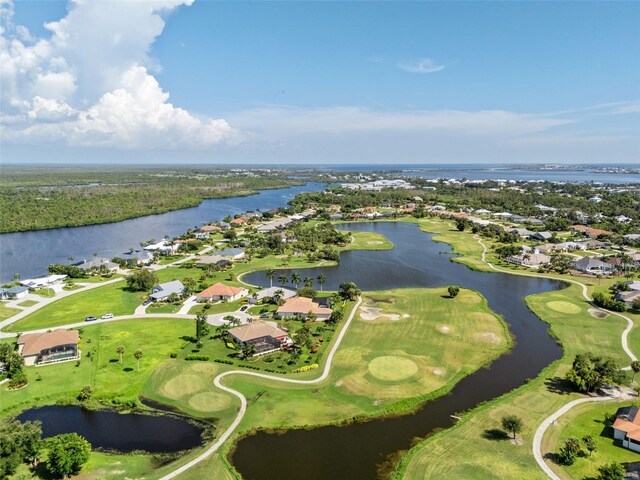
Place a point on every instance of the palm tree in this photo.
(70, 258)
(308, 282)
(120, 351)
(295, 279)
(635, 367)
(277, 296)
(270, 274)
(321, 280)
(138, 355)
(283, 279)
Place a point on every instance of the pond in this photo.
(354, 451)
(111, 430)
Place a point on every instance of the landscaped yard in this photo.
(163, 308)
(28, 303)
(588, 419)
(6, 312)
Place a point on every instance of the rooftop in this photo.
(34, 343)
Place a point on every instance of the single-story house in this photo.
(201, 235)
(42, 282)
(542, 236)
(140, 257)
(215, 260)
(626, 428)
(220, 291)
(163, 247)
(14, 292)
(162, 292)
(49, 347)
(230, 253)
(265, 336)
(634, 285)
(592, 266)
(522, 232)
(529, 260)
(588, 231)
(210, 228)
(96, 263)
(570, 246)
(270, 292)
(302, 307)
(628, 297)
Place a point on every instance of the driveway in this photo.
(217, 319)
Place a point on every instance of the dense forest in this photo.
(50, 198)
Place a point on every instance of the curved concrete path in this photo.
(551, 419)
(243, 401)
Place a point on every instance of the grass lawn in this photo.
(113, 298)
(221, 307)
(368, 241)
(567, 312)
(587, 419)
(96, 278)
(163, 308)
(28, 303)
(6, 312)
(100, 366)
(44, 292)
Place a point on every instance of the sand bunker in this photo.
(372, 313)
(374, 242)
(443, 328)
(391, 368)
(597, 313)
(437, 371)
(563, 307)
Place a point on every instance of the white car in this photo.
(107, 316)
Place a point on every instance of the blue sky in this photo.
(322, 82)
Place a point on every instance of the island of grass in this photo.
(582, 420)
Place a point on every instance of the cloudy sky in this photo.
(327, 82)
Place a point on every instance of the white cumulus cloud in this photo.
(91, 82)
(421, 65)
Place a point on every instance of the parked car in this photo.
(244, 308)
(106, 316)
(146, 302)
(90, 319)
(265, 315)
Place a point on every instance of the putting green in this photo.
(209, 402)
(182, 385)
(563, 307)
(392, 368)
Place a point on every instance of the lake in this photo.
(29, 253)
(115, 431)
(355, 450)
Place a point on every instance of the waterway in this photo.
(114, 431)
(29, 253)
(354, 451)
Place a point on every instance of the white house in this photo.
(270, 293)
(592, 266)
(626, 428)
(163, 291)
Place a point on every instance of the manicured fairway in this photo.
(368, 241)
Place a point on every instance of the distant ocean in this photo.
(584, 173)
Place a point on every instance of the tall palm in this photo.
(321, 280)
(295, 279)
(138, 355)
(120, 351)
(308, 282)
(283, 279)
(270, 274)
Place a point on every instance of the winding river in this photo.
(354, 451)
(29, 253)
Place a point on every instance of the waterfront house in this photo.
(302, 307)
(230, 253)
(529, 260)
(97, 263)
(269, 293)
(16, 292)
(49, 347)
(162, 292)
(592, 266)
(626, 427)
(222, 292)
(265, 336)
(139, 257)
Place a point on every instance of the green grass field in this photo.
(28, 303)
(369, 241)
(587, 419)
(6, 312)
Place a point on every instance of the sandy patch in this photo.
(209, 402)
(597, 313)
(437, 371)
(563, 307)
(374, 242)
(489, 337)
(372, 313)
(338, 383)
(443, 328)
(181, 385)
(391, 368)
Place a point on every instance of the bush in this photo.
(306, 368)
(203, 358)
(173, 355)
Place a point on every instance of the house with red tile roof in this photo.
(302, 307)
(220, 291)
(49, 347)
(626, 428)
(265, 336)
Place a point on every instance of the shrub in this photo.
(197, 357)
(306, 368)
